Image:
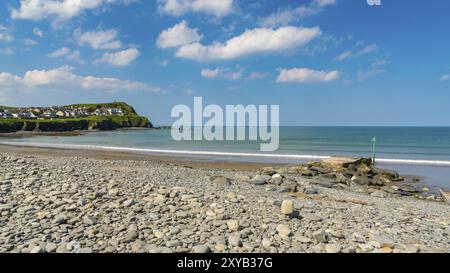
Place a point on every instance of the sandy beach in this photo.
(55, 200)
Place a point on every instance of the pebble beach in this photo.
(75, 202)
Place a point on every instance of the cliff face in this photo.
(103, 123)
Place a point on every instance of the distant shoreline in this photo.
(77, 132)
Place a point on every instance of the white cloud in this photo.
(120, 58)
(357, 53)
(59, 52)
(375, 69)
(303, 75)
(61, 10)
(177, 36)
(366, 50)
(75, 56)
(38, 32)
(365, 75)
(254, 41)
(210, 73)
(5, 34)
(445, 77)
(218, 8)
(30, 42)
(68, 54)
(344, 55)
(284, 17)
(231, 74)
(223, 73)
(380, 62)
(100, 39)
(64, 78)
(8, 80)
(323, 3)
(257, 75)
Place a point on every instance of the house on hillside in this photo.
(27, 115)
(6, 115)
(61, 114)
(115, 111)
(49, 114)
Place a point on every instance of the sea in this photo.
(415, 151)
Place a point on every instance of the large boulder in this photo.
(339, 164)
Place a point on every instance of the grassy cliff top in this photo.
(129, 114)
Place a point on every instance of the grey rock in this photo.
(201, 249)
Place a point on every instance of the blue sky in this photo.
(325, 62)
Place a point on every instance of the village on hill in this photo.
(57, 112)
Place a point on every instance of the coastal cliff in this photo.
(127, 119)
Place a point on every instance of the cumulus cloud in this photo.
(120, 58)
(61, 10)
(98, 39)
(304, 75)
(254, 41)
(72, 55)
(64, 78)
(286, 16)
(178, 35)
(5, 34)
(218, 8)
(8, 80)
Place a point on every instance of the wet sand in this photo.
(193, 162)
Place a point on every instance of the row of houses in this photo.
(58, 113)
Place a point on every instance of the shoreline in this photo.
(216, 163)
(112, 202)
(249, 157)
(117, 155)
(74, 132)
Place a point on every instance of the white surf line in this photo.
(414, 162)
(212, 153)
(159, 151)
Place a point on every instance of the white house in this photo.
(49, 114)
